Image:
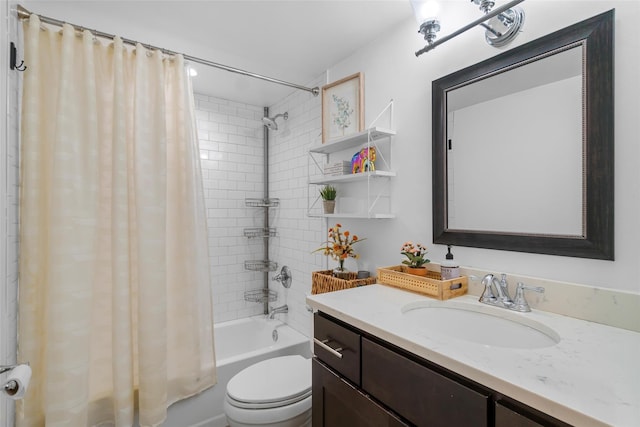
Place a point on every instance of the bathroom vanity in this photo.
(377, 365)
(415, 389)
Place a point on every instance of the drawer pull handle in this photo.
(335, 352)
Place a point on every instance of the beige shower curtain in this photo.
(115, 311)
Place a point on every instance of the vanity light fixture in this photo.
(426, 13)
(502, 24)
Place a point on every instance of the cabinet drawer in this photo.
(343, 353)
(510, 413)
(506, 417)
(419, 394)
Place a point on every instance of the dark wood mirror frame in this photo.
(597, 32)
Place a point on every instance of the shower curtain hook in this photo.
(13, 54)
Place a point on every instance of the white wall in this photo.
(392, 71)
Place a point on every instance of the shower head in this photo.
(270, 122)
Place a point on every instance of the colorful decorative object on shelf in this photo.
(363, 160)
(416, 258)
(339, 246)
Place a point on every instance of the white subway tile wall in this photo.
(298, 235)
(231, 154)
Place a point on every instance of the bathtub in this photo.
(239, 344)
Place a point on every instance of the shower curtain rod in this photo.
(24, 14)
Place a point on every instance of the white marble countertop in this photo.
(590, 378)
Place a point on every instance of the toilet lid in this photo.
(281, 380)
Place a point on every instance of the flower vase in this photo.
(417, 271)
(340, 272)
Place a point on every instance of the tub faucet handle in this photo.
(284, 277)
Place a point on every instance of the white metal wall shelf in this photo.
(363, 176)
(354, 216)
(377, 182)
(366, 136)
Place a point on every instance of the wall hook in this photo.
(13, 53)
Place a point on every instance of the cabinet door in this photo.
(510, 414)
(419, 394)
(337, 403)
(505, 417)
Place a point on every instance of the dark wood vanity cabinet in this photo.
(337, 397)
(337, 402)
(509, 413)
(359, 380)
(506, 417)
(419, 394)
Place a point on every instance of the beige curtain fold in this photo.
(115, 308)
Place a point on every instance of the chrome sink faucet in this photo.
(275, 310)
(501, 297)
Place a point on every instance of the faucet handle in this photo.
(284, 277)
(520, 302)
(487, 295)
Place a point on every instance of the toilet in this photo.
(274, 392)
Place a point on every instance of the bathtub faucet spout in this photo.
(275, 310)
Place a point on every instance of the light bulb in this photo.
(425, 10)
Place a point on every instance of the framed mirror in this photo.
(523, 147)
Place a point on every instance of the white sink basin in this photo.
(492, 326)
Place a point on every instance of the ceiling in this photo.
(291, 40)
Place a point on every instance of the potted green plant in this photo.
(328, 194)
(416, 258)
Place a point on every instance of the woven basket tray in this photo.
(432, 285)
(323, 281)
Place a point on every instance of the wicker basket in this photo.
(323, 281)
(432, 285)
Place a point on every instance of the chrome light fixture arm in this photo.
(512, 19)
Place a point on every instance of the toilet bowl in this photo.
(275, 393)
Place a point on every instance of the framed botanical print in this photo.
(342, 108)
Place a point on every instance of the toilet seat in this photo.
(271, 383)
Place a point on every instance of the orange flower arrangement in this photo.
(339, 245)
